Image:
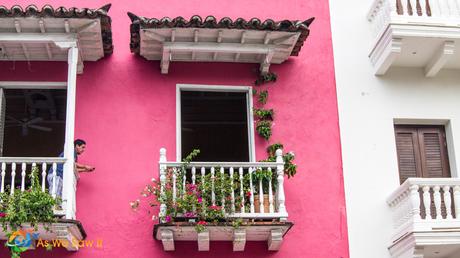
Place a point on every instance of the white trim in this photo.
(32, 85)
(216, 88)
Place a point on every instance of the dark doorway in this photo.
(216, 123)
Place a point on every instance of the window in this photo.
(422, 151)
(216, 120)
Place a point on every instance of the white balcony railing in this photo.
(236, 170)
(434, 12)
(15, 171)
(424, 204)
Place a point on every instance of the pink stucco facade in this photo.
(126, 111)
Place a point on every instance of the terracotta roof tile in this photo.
(62, 12)
(196, 21)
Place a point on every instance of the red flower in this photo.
(202, 222)
(248, 194)
(2, 214)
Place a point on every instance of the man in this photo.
(80, 146)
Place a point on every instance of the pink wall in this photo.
(126, 112)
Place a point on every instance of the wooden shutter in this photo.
(422, 152)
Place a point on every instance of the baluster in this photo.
(232, 191)
(213, 195)
(280, 172)
(174, 178)
(399, 8)
(162, 182)
(415, 201)
(409, 7)
(457, 201)
(184, 179)
(447, 201)
(261, 196)
(23, 177)
(241, 190)
(419, 11)
(54, 168)
(270, 193)
(427, 12)
(34, 165)
(222, 189)
(193, 183)
(203, 174)
(2, 190)
(427, 202)
(251, 189)
(437, 201)
(13, 175)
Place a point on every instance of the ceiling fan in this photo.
(26, 123)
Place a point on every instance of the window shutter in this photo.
(433, 151)
(408, 153)
(422, 152)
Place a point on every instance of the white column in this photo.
(280, 192)
(68, 189)
(162, 181)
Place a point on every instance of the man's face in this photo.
(80, 148)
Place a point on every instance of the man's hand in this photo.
(89, 168)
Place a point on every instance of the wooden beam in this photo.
(239, 240)
(66, 26)
(440, 58)
(265, 65)
(218, 47)
(173, 35)
(154, 36)
(242, 39)
(41, 23)
(275, 240)
(38, 37)
(203, 241)
(219, 40)
(195, 39)
(167, 238)
(165, 60)
(17, 25)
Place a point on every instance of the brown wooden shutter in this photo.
(422, 152)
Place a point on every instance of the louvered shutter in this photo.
(422, 152)
(408, 153)
(433, 151)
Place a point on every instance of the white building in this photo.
(398, 82)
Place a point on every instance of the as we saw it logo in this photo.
(21, 240)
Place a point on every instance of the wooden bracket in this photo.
(203, 241)
(275, 240)
(167, 238)
(239, 240)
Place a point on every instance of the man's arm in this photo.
(84, 168)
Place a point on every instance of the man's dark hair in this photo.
(79, 142)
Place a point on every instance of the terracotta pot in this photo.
(257, 204)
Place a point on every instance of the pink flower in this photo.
(202, 222)
(248, 194)
(168, 218)
(189, 214)
(200, 200)
(2, 214)
(215, 207)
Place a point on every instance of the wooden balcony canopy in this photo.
(210, 40)
(33, 34)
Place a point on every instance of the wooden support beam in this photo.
(275, 240)
(165, 60)
(203, 241)
(173, 35)
(85, 27)
(66, 26)
(38, 37)
(440, 58)
(209, 47)
(17, 25)
(242, 40)
(154, 36)
(239, 240)
(41, 23)
(265, 65)
(219, 40)
(195, 39)
(167, 238)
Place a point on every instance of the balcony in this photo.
(259, 208)
(14, 177)
(426, 216)
(415, 33)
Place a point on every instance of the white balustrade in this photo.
(426, 200)
(241, 176)
(439, 12)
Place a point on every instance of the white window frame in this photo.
(215, 88)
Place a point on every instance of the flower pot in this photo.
(257, 203)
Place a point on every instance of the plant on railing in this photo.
(264, 78)
(290, 168)
(206, 201)
(33, 206)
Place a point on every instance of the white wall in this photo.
(368, 106)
